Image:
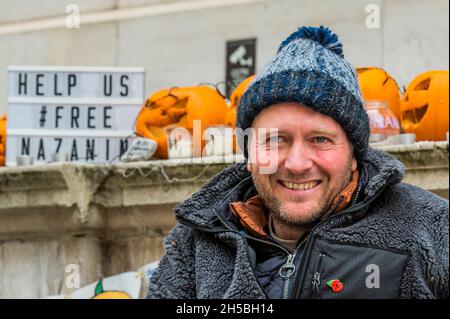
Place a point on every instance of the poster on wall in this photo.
(241, 62)
(85, 113)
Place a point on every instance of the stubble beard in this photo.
(275, 206)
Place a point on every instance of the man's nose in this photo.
(299, 159)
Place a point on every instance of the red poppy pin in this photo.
(336, 285)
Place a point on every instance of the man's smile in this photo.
(300, 186)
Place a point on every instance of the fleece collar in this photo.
(235, 184)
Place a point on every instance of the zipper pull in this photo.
(316, 280)
(315, 291)
(318, 266)
(288, 268)
(315, 285)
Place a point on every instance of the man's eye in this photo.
(321, 139)
(273, 139)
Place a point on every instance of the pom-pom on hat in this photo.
(309, 68)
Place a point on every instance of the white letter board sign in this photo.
(87, 113)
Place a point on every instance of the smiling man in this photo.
(314, 163)
(332, 220)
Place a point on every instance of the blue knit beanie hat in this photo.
(310, 69)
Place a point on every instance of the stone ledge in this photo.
(426, 164)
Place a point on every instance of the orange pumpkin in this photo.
(424, 106)
(179, 107)
(230, 117)
(102, 294)
(2, 140)
(377, 85)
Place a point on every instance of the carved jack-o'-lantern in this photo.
(179, 107)
(424, 106)
(230, 117)
(377, 85)
(2, 139)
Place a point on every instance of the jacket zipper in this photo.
(315, 289)
(286, 270)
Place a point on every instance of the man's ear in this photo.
(249, 167)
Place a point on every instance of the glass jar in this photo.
(383, 122)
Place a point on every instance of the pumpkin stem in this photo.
(99, 287)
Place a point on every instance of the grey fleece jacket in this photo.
(393, 243)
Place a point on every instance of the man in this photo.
(332, 220)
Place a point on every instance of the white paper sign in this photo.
(75, 82)
(86, 113)
(74, 116)
(79, 149)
